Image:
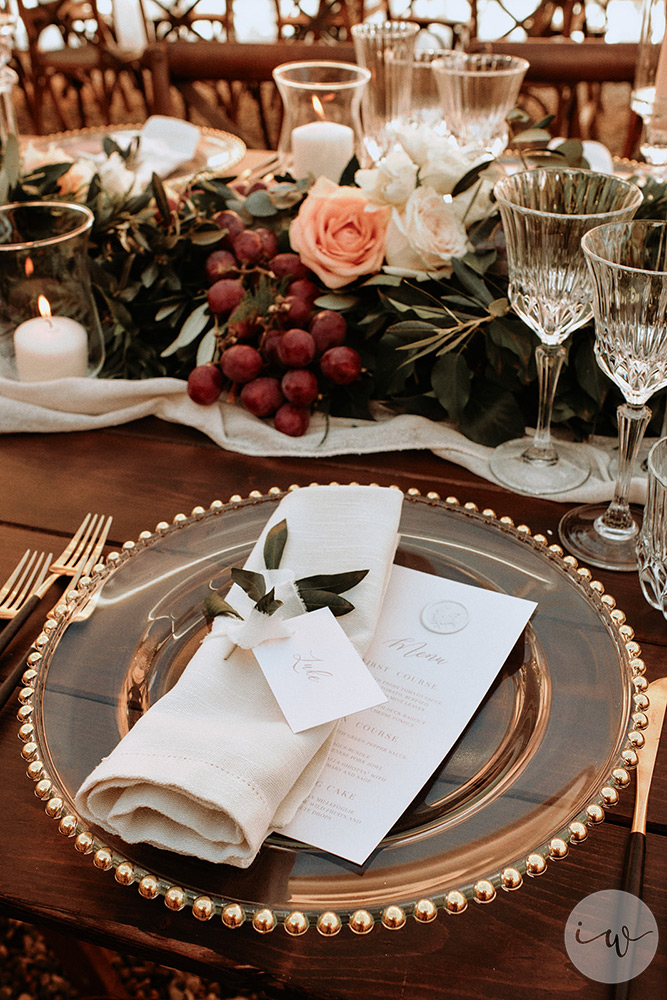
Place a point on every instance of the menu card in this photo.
(437, 648)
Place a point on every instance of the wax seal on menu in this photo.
(444, 617)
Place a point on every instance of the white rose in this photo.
(391, 182)
(427, 235)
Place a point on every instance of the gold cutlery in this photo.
(633, 873)
(28, 583)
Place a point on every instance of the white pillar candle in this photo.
(50, 347)
(322, 149)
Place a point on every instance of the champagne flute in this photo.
(545, 212)
(628, 264)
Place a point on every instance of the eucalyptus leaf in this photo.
(451, 380)
(315, 599)
(337, 583)
(472, 282)
(206, 348)
(260, 204)
(274, 545)
(254, 584)
(206, 237)
(337, 303)
(165, 312)
(193, 326)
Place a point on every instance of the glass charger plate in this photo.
(216, 150)
(546, 751)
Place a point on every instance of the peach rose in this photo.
(338, 234)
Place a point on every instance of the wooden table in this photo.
(150, 471)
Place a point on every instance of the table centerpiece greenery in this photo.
(398, 270)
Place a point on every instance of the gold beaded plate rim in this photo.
(360, 919)
(212, 146)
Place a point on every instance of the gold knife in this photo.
(633, 872)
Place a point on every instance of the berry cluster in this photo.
(278, 354)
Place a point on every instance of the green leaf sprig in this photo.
(323, 590)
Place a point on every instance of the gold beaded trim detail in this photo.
(294, 923)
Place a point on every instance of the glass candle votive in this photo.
(321, 127)
(49, 326)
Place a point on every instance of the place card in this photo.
(316, 674)
(437, 648)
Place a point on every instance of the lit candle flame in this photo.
(317, 107)
(43, 306)
(29, 267)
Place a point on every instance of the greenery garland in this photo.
(445, 348)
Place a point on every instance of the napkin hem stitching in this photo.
(195, 760)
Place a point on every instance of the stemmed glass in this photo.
(628, 264)
(545, 212)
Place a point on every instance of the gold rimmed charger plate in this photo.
(216, 152)
(533, 771)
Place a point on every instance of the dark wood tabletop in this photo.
(150, 471)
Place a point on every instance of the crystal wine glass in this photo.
(545, 212)
(628, 264)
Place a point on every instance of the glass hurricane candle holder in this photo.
(649, 90)
(49, 326)
(321, 127)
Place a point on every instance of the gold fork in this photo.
(80, 545)
(28, 584)
(27, 577)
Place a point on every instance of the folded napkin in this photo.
(212, 768)
(165, 144)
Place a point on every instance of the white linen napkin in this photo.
(165, 145)
(212, 768)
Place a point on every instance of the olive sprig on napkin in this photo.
(323, 590)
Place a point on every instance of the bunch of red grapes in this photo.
(279, 364)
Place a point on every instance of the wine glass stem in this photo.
(549, 363)
(617, 521)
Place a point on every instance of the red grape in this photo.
(262, 396)
(303, 289)
(341, 365)
(292, 420)
(328, 329)
(205, 384)
(244, 329)
(288, 265)
(269, 241)
(241, 363)
(220, 263)
(296, 348)
(232, 223)
(269, 346)
(297, 313)
(248, 247)
(225, 295)
(299, 385)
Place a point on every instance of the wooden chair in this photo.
(89, 62)
(168, 20)
(566, 67)
(188, 66)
